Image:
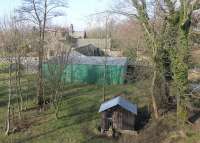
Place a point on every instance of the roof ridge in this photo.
(127, 105)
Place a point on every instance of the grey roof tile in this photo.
(76, 58)
(121, 102)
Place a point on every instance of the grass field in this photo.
(79, 117)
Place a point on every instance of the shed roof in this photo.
(75, 58)
(93, 60)
(121, 102)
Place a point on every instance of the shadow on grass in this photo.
(79, 116)
(81, 110)
(4, 95)
(100, 139)
(74, 92)
(81, 104)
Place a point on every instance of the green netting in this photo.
(88, 74)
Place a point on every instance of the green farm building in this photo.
(77, 68)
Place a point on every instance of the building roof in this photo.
(100, 43)
(77, 58)
(77, 34)
(74, 53)
(93, 60)
(121, 102)
(196, 20)
(90, 50)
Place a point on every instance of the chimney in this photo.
(71, 28)
(67, 34)
(85, 35)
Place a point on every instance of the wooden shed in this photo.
(117, 114)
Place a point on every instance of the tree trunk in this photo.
(27, 86)
(19, 82)
(9, 103)
(19, 110)
(57, 112)
(17, 92)
(40, 76)
(153, 93)
(41, 55)
(26, 95)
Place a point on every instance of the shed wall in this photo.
(104, 121)
(117, 119)
(123, 120)
(90, 74)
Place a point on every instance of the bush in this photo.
(4, 68)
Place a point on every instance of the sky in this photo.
(77, 13)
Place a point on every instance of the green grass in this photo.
(79, 117)
(3, 65)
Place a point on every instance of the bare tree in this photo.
(55, 73)
(18, 41)
(39, 12)
(8, 48)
